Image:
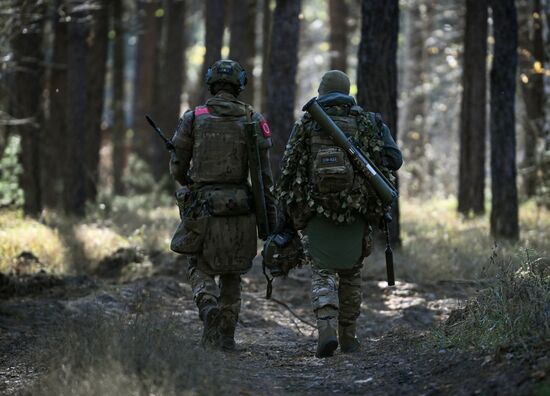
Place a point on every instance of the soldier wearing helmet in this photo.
(218, 228)
(325, 197)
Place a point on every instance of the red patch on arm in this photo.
(265, 128)
(200, 110)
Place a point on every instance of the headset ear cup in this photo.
(243, 79)
(208, 76)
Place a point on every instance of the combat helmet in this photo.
(226, 71)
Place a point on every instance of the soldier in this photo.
(332, 203)
(218, 228)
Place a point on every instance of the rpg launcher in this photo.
(360, 160)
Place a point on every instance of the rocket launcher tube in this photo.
(376, 179)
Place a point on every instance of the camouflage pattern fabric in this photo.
(295, 189)
(227, 295)
(337, 290)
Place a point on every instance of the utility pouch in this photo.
(189, 235)
(227, 201)
(332, 171)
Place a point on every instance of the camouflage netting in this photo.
(295, 192)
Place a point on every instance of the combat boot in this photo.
(348, 341)
(210, 315)
(327, 342)
(227, 331)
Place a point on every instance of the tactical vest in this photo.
(219, 149)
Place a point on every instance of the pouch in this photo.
(227, 201)
(332, 171)
(189, 235)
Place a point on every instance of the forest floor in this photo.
(131, 328)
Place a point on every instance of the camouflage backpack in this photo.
(318, 178)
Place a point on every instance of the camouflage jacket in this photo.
(294, 190)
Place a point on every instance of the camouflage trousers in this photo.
(226, 293)
(337, 293)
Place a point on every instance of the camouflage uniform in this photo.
(334, 206)
(218, 229)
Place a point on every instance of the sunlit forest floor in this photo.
(101, 306)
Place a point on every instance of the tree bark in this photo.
(242, 43)
(76, 109)
(531, 63)
(214, 21)
(144, 140)
(119, 125)
(473, 118)
(97, 67)
(54, 147)
(281, 85)
(413, 118)
(338, 34)
(170, 79)
(377, 71)
(504, 212)
(28, 77)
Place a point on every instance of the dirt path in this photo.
(276, 349)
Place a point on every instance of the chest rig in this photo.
(219, 148)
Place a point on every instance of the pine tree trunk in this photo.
(97, 67)
(119, 125)
(266, 44)
(473, 118)
(28, 77)
(54, 147)
(242, 43)
(214, 20)
(170, 80)
(504, 212)
(281, 85)
(532, 87)
(144, 140)
(415, 102)
(76, 109)
(338, 34)
(377, 71)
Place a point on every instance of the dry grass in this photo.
(438, 243)
(144, 354)
(513, 312)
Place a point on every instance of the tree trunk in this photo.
(266, 44)
(170, 81)
(531, 59)
(242, 43)
(119, 125)
(473, 118)
(97, 67)
(77, 107)
(377, 70)
(413, 118)
(281, 85)
(338, 34)
(214, 21)
(28, 76)
(144, 139)
(504, 212)
(54, 147)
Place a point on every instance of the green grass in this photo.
(514, 311)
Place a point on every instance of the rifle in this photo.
(167, 143)
(256, 180)
(381, 185)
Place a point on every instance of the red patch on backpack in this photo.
(201, 110)
(265, 128)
